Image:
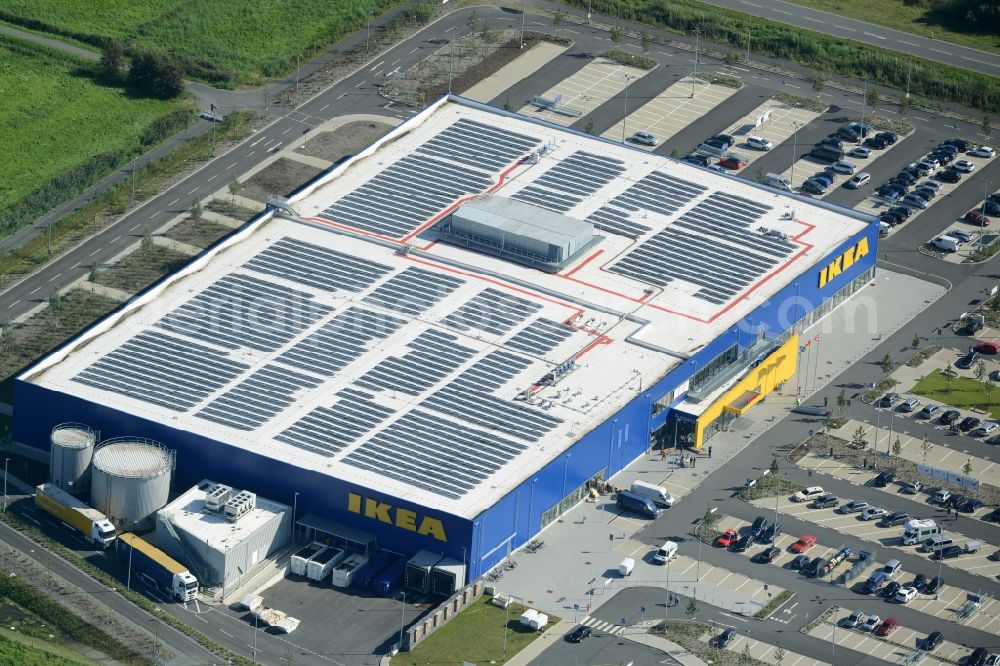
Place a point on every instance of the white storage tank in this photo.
(130, 481)
(71, 448)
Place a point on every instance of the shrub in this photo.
(630, 59)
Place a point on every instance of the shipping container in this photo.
(299, 559)
(390, 579)
(343, 574)
(418, 570)
(366, 575)
(318, 567)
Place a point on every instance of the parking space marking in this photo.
(588, 88)
(806, 166)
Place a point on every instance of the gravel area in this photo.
(345, 141)
(281, 178)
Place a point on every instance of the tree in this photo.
(990, 385)
(589, 129)
(904, 107)
(156, 73)
(557, 20)
(92, 276)
(925, 448)
(873, 98)
(774, 468)
(692, 608)
(196, 210)
(818, 83)
(730, 58)
(987, 127)
(842, 401)
(860, 439)
(616, 35)
(55, 299)
(646, 40)
(948, 375)
(759, 175)
(472, 22)
(916, 342)
(234, 189)
(710, 517)
(675, 153)
(113, 60)
(746, 657)
(981, 371)
(887, 365)
(967, 467)
(897, 448)
(779, 654)
(147, 238)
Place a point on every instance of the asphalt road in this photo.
(867, 33)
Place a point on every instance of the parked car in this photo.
(770, 533)
(759, 143)
(922, 168)
(925, 193)
(814, 566)
(990, 208)
(993, 516)
(832, 141)
(861, 152)
(936, 584)
(871, 623)
(743, 543)
(725, 638)
(844, 167)
(884, 478)
(859, 180)
(728, 139)
(990, 348)
(727, 538)
(906, 594)
(988, 428)
(877, 144)
(894, 518)
(863, 129)
(969, 423)
(948, 176)
(946, 148)
(873, 512)
(813, 186)
(580, 633)
(757, 527)
(950, 416)
(931, 642)
(933, 161)
(890, 590)
(644, 138)
(976, 218)
(943, 159)
(907, 177)
(971, 505)
(977, 658)
(965, 166)
(847, 134)
(941, 497)
(961, 144)
(805, 542)
(928, 412)
(824, 177)
(933, 184)
(888, 400)
(918, 582)
(947, 553)
(699, 160)
(888, 137)
(768, 554)
(825, 502)
(854, 506)
(892, 219)
(914, 200)
(911, 488)
(799, 562)
(888, 192)
(855, 619)
(806, 494)
(983, 151)
(909, 405)
(730, 162)
(968, 360)
(957, 501)
(887, 627)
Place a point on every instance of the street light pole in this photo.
(697, 36)
(402, 617)
(505, 623)
(295, 508)
(128, 578)
(909, 70)
(524, 10)
(298, 67)
(749, 25)
(795, 139)
(625, 117)
(451, 54)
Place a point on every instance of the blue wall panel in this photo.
(39, 409)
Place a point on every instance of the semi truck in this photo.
(156, 566)
(76, 515)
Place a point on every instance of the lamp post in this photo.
(625, 117)
(937, 590)
(298, 68)
(749, 25)
(128, 576)
(795, 140)
(402, 617)
(506, 622)
(697, 36)
(255, 637)
(451, 53)
(909, 70)
(295, 507)
(524, 10)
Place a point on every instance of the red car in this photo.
(976, 218)
(731, 162)
(806, 542)
(887, 627)
(988, 348)
(728, 538)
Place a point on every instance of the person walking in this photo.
(663, 452)
(826, 400)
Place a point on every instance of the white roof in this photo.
(188, 513)
(357, 346)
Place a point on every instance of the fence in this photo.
(442, 615)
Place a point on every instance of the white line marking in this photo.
(257, 141)
(231, 166)
(174, 201)
(210, 179)
(413, 51)
(134, 228)
(117, 238)
(908, 43)
(324, 108)
(979, 61)
(360, 84)
(342, 95)
(872, 34)
(940, 51)
(12, 305)
(377, 65)
(33, 291)
(286, 131)
(809, 18)
(32, 519)
(55, 277)
(193, 190)
(227, 633)
(781, 11)
(844, 27)
(95, 252)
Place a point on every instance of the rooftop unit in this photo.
(243, 503)
(216, 497)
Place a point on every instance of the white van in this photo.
(946, 243)
(658, 494)
(666, 553)
(776, 180)
(759, 143)
(918, 531)
(625, 568)
(883, 230)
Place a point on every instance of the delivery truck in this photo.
(76, 515)
(156, 566)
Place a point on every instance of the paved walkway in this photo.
(517, 70)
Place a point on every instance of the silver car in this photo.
(844, 167)
(644, 138)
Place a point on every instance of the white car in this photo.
(854, 620)
(807, 494)
(983, 151)
(844, 167)
(965, 166)
(644, 138)
(906, 594)
(759, 143)
(870, 623)
(858, 180)
(873, 512)
(860, 151)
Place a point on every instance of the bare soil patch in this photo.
(347, 140)
(281, 178)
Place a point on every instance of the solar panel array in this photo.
(413, 291)
(433, 355)
(239, 310)
(433, 453)
(656, 192)
(328, 430)
(316, 266)
(491, 311)
(340, 341)
(163, 370)
(569, 182)
(540, 336)
(460, 161)
(264, 394)
(709, 246)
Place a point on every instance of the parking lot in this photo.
(765, 652)
(777, 122)
(671, 111)
(892, 648)
(587, 89)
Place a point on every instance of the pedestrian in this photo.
(693, 461)
(663, 453)
(710, 452)
(826, 400)
(848, 403)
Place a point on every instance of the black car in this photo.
(950, 416)
(890, 590)
(947, 553)
(943, 158)
(957, 500)
(946, 148)
(971, 506)
(909, 176)
(744, 542)
(961, 144)
(969, 423)
(814, 564)
(888, 137)
(894, 518)
(831, 141)
(934, 585)
(967, 361)
(892, 219)
(579, 634)
(799, 562)
(700, 160)
(884, 478)
(901, 210)
(825, 501)
(932, 641)
(768, 554)
(770, 533)
(994, 197)
(876, 143)
(948, 176)
(993, 516)
(725, 638)
(847, 134)
(725, 138)
(758, 527)
(925, 193)
(919, 581)
(990, 208)
(978, 657)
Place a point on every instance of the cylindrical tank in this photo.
(71, 448)
(130, 481)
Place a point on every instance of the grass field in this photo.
(964, 393)
(231, 39)
(476, 635)
(27, 651)
(141, 268)
(55, 116)
(906, 16)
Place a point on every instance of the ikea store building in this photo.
(442, 341)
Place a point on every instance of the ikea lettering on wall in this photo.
(404, 518)
(843, 262)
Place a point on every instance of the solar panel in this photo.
(239, 310)
(491, 371)
(581, 173)
(433, 355)
(258, 398)
(413, 291)
(546, 199)
(492, 311)
(162, 370)
(328, 430)
(316, 266)
(433, 453)
(540, 336)
(340, 341)
(656, 192)
(487, 411)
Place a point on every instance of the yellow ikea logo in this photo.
(404, 518)
(843, 262)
